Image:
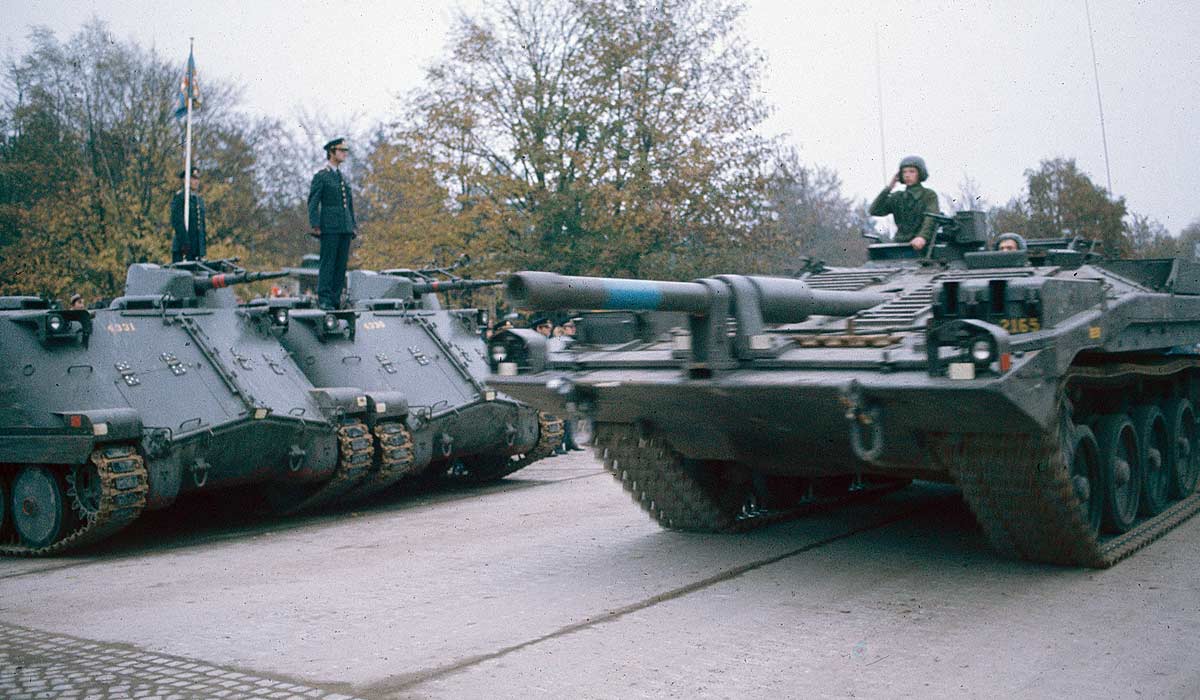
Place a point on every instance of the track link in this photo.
(550, 435)
(356, 451)
(394, 458)
(1019, 488)
(123, 486)
(678, 497)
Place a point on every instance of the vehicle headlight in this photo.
(280, 317)
(513, 351)
(55, 323)
(981, 351)
(330, 322)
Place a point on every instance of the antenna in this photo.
(879, 99)
(1099, 102)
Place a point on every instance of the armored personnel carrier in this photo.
(1057, 388)
(421, 369)
(173, 388)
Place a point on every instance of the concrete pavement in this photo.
(552, 583)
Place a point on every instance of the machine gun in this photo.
(222, 280)
(419, 288)
(193, 283)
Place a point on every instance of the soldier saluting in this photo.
(909, 205)
(331, 216)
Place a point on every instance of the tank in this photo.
(171, 389)
(422, 371)
(1057, 388)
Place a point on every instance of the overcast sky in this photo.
(980, 89)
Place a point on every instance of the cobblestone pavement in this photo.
(553, 585)
(39, 665)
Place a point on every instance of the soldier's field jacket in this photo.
(908, 207)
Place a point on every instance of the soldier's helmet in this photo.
(1012, 237)
(915, 162)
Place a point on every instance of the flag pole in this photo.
(187, 158)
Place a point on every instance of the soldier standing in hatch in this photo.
(331, 216)
(189, 242)
(909, 205)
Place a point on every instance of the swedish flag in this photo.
(188, 87)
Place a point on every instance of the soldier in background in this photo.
(1010, 242)
(331, 216)
(909, 205)
(189, 242)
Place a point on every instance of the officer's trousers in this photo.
(335, 252)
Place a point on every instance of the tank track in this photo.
(123, 487)
(396, 460)
(1019, 488)
(655, 477)
(550, 435)
(356, 450)
(1020, 491)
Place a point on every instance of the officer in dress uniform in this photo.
(189, 242)
(331, 216)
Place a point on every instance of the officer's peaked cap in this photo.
(915, 162)
(334, 144)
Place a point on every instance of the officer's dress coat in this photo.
(189, 242)
(331, 210)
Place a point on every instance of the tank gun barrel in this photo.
(451, 285)
(203, 284)
(548, 291)
(780, 300)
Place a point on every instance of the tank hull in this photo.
(182, 399)
(1060, 395)
(433, 362)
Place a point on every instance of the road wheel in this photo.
(1121, 471)
(1184, 458)
(1085, 476)
(1155, 452)
(84, 490)
(38, 506)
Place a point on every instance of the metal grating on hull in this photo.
(847, 280)
(903, 311)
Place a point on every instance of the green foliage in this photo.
(612, 137)
(812, 218)
(1150, 239)
(1061, 200)
(88, 162)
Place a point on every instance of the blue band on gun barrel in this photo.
(632, 295)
